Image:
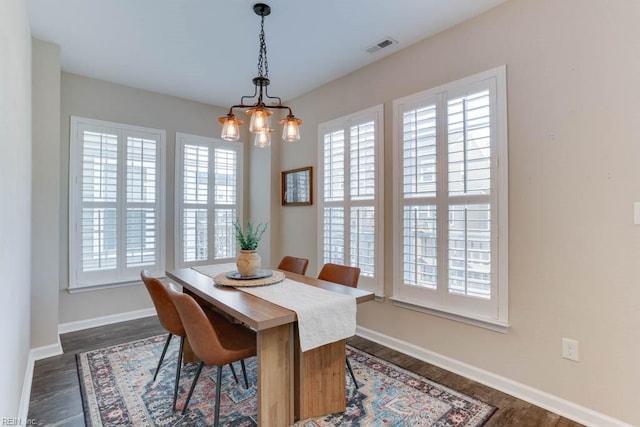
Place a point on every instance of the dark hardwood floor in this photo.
(56, 401)
(511, 411)
(55, 391)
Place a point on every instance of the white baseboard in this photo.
(79, 325)
(524, 392)
(35, 354)
(23, 410)
(43, 352)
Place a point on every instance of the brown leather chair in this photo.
(342, 275)
(214, 340)
(294, 265)
(170, 320)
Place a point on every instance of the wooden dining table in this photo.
(292, 385)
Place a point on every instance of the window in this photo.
(208, 199)
(350, 207)
(116, 202)
(450, 212)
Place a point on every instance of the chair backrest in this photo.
(341, 274)
(169, 317)
(202, 334)
(294, 265)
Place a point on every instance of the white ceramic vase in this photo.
(248, 262)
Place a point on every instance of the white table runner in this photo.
(323, 316)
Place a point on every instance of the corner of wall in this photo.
(45, 197)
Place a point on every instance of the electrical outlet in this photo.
(570, 349)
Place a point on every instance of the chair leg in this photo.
(178, 368)
(244, 372)
(218, 388)
(353, 377)
(164, 351)
(233, 371)
(193, 386)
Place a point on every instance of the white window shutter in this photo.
(142, 222)
(351, 200)
(116, 202)
(195, 198)
(226, 168)
(98, 199)
(450, 219)
(209, 199)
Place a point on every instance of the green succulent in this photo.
(249, 238)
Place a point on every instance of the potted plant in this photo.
(248, 260)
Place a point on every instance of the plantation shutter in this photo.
(208, 199)
(419, 184)
(362, 170)
(142, 225)
(195, 210)
(469, 188)
(226, 200)
(99, 201)
(116, 213)
(451, 182)
(351, 194)
(334, 195)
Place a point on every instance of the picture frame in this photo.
(297, 187)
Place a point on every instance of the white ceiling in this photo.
(207, 50)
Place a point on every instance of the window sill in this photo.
(491, 324)
(80, 289)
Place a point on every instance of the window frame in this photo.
(493, 315)
(121, 275)
(375, 114)
(183, 139)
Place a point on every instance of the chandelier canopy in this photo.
(259, 112)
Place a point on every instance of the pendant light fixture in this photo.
(260, 112)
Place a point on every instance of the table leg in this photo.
(275, 376)
(188, 356)
(320, 380)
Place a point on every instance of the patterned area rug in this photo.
(117, 390)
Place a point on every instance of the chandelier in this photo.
(259, 112)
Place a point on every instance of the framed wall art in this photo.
(297, 185)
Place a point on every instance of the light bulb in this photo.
(259, 120)
(230, 127)
(263, 139)
(291, 129)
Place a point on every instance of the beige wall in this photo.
(263, 197)
(100, 100)
(573, 79)
(573, 73)
(45, 252)
(15, 193)
(259, 203)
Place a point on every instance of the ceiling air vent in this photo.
(381, 45)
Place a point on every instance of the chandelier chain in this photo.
(258, 110)
(263, 64)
